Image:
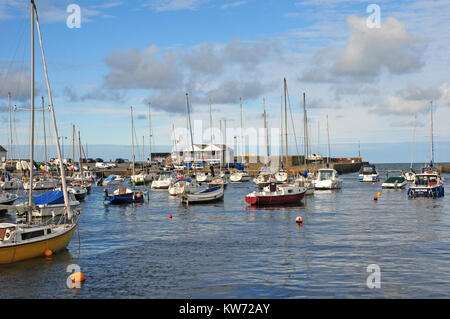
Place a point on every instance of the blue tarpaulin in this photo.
(110, 178)
(50, 198)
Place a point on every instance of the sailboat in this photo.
(124, 195)
(428, 183)
(240, 175)
(21, 241)
(305, 179)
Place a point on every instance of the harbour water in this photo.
(227, 250)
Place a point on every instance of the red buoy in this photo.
(170, 216)
(375, 198)
(299, 219)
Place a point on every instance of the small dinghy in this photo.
(210, 194)
(50, 203)
(123, 195)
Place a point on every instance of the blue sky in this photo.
(370, 82)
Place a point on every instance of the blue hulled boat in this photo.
(124, 195)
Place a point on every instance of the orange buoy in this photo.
(379, 194)
(77, 277)
(138, 195)
(299, 219)
(48, 253)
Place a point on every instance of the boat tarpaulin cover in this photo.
(110, 178)
(50, 198)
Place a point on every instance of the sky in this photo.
(374, 81)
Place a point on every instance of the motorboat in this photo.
(208, 195)
(327, 178)
(394, 181)
(162, 180)
(276, 194)
(428, 183)
(123, 195)
(368, 173)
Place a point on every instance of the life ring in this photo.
(8, 234)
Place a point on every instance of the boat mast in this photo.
(265, 133)
(132, 138)
(328, 139)
(45, 139)
(281, 128)
(285, 128)
(150, 133)
(242, 134)
(305, 131)
(10, 126)
(188, 121)
(73, 147)
(61, 166)
(431, 131)
(81, 165)
(414, 138)
(30, 193)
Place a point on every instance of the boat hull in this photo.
(14, 253)
(123, 199)
(429, 192)
(274, 200)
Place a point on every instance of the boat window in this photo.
(32, 234)
(49, 231)
(325, 175)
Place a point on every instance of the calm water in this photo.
(226, 250)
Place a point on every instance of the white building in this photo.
(3, 153)
(213, 153)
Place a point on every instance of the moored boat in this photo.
(429, 183)
(368, 173)
(210, 194)
(239, 177)
(123, 195)
(327, 178)
(394, 181)
(276, 194)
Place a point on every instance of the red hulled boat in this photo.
(276, 194)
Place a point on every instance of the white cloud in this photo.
(233, 4)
